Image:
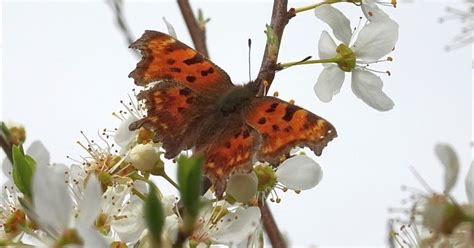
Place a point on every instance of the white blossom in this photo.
(374, 40)
(219, 224)
(53, 206)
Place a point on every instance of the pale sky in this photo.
(65, 68)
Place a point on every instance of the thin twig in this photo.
(270, 226)
(117, 6)
(280, 17)
(197, 32)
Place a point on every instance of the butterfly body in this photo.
(235, 100)
(194, 104)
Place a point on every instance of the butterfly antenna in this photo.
(250, 68)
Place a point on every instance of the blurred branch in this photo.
(117, 7)
(280, 17)
(7, 148)
(5, 141)
(270, 226)
(197, 32)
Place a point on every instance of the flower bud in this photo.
(145, 157)
(17, 133)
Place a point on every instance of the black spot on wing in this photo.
(190, 78)
(272, 108)
(275, 128)
(207, 72)
(289, 112)
(185, 91)
(198, 58)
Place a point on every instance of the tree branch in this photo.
(117, 6)
(271, 227)
(198, 33)
(7, 147)
(280, 17)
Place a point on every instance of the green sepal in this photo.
(154, 215)
(190, 183)
(23, 170)
(347, 58)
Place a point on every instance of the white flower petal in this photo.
(340, 25)
(470, 185)
(169, 203)
(299, 173)
(372, 12)
(89, 206)
(329, 83)
(130, 229)
(242, 187)
(170, 231)
(171, 30)
(142, 187)
(124, 136)
(376, 40)
(51, 200)
(450, 161)
(239, 225)
(7, 168)
(368, 87)
(39, 153)
(78, 174)
(91, 237)
(327, 47)
(114, 194)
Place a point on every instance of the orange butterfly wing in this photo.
(164, 57)
(284, 126)
(231, 152)
(173, 110)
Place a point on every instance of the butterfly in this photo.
(192, 103)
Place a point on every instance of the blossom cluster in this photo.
(437, 219)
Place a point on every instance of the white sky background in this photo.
(65, 68)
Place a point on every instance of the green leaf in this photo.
(23, 169)
(190, 183)
(154, 214)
